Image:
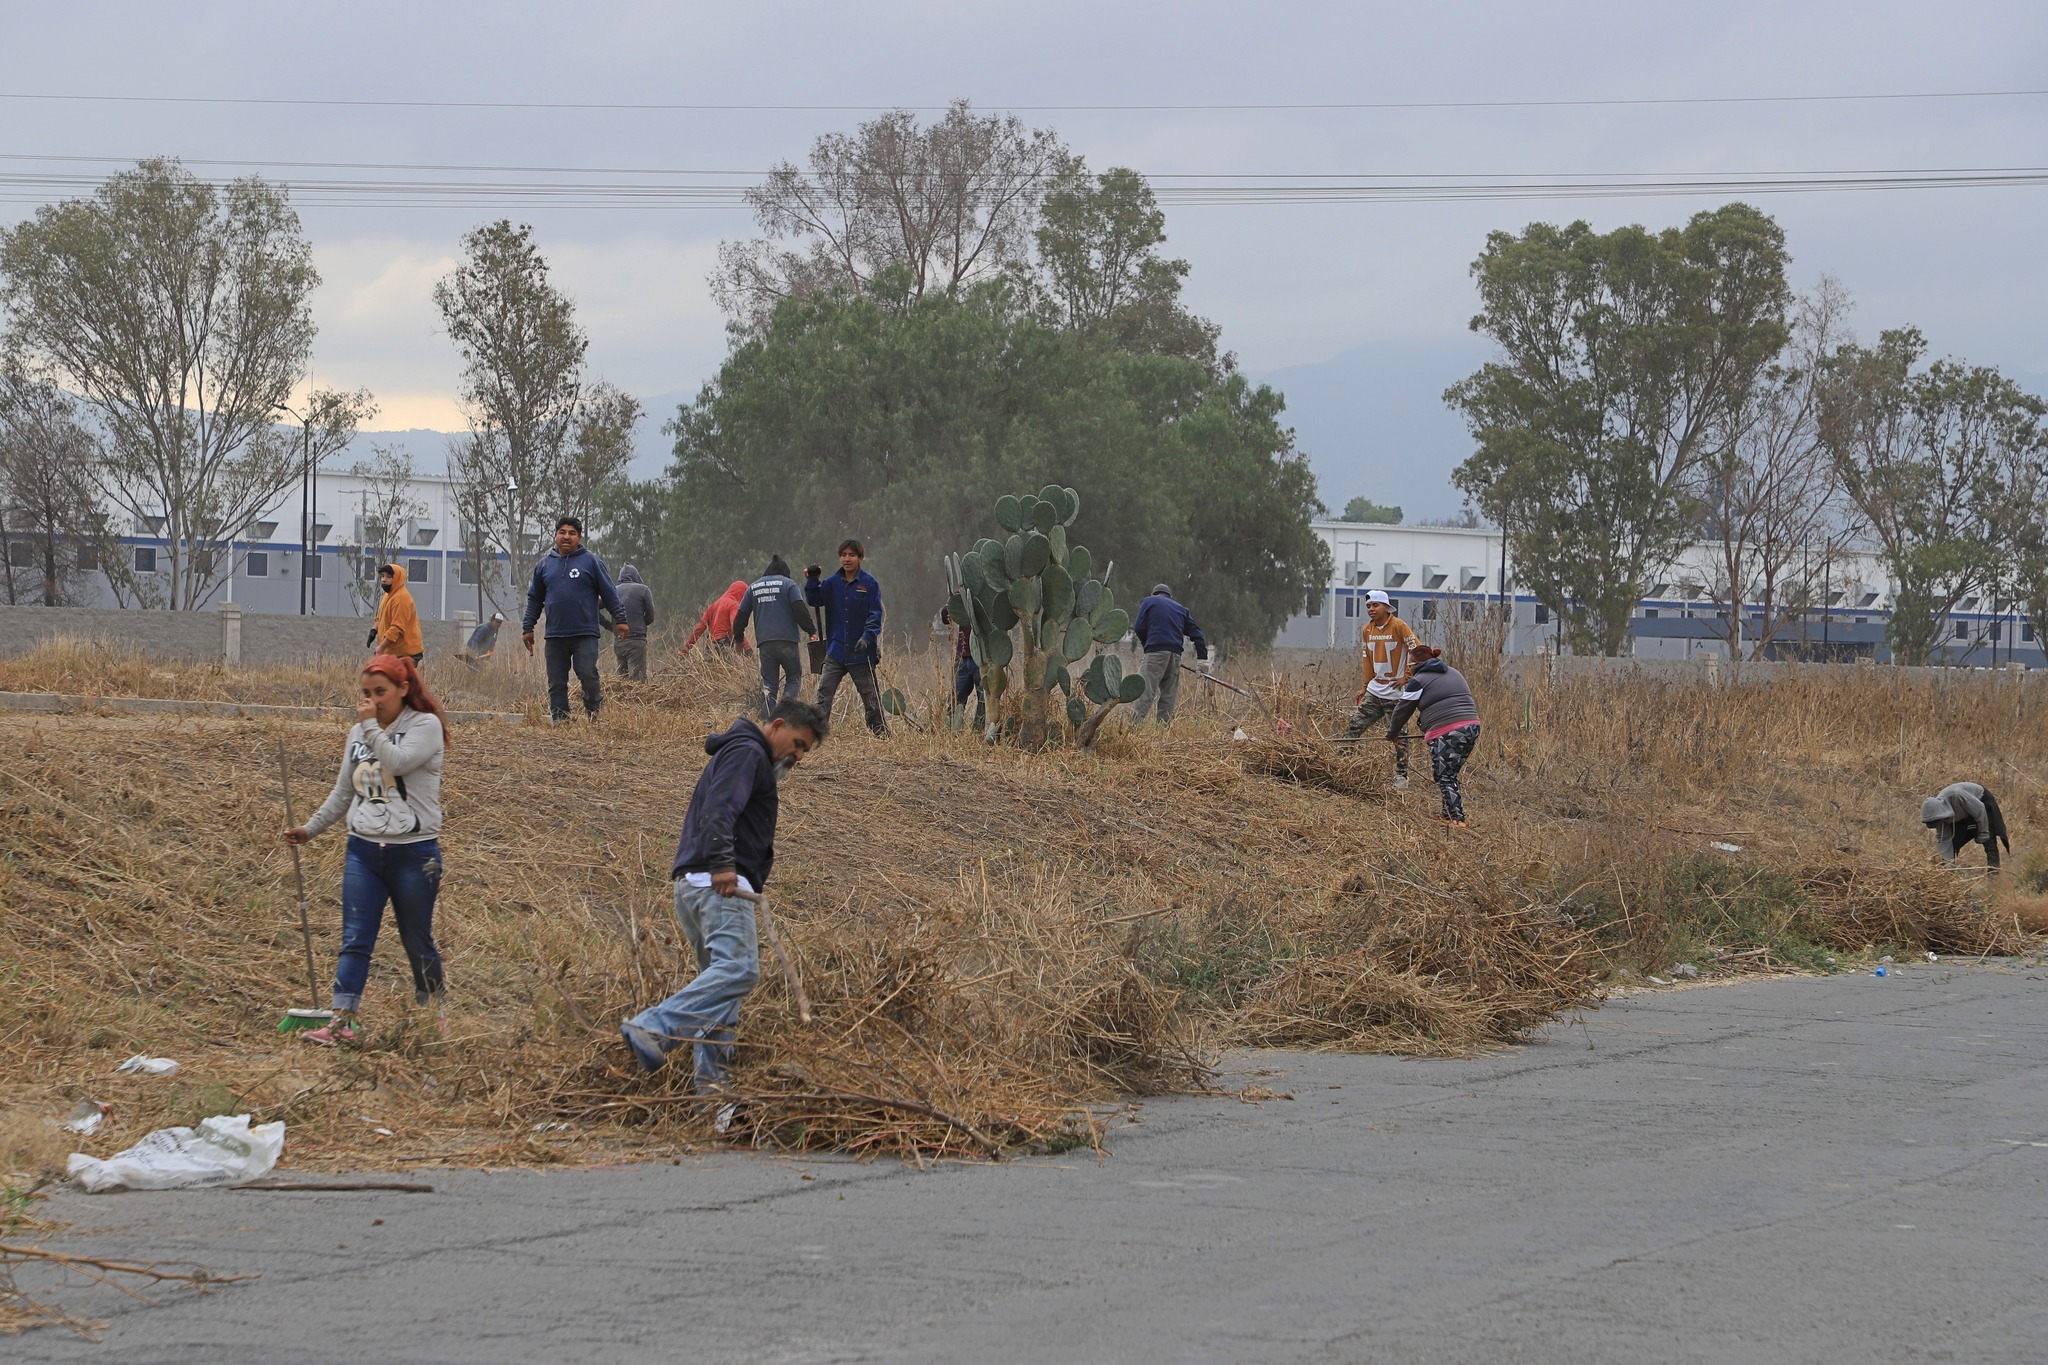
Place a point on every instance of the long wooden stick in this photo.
(284, 768)
(790, 976)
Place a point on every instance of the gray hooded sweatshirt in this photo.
(638, 600)
(390, 782)
(1963, 812)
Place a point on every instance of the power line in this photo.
(502, 194)
(1290, 107)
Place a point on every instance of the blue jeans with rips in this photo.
(409, 877)
(579, 651)
(721, 932)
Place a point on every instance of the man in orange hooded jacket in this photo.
(717, 619)
(398, 620)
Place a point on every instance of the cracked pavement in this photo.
(1849, 1168)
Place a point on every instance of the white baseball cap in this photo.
(1379, 595)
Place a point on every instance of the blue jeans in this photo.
(409, 877)
(721, 932)
(580, 650)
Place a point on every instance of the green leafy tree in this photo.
(1371, 513)
(54, 532)
(1624, 356)
(1099, 271)
(901, 426)
(180, 313)
(1945, 464)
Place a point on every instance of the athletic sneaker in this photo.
(1453, 824)
(643, 1044)
(333, 1035)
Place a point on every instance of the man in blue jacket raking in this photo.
(1163, 628)
(570, 584)
(851, 601)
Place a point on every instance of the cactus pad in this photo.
(1010, 512)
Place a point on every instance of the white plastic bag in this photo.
(223, 1150)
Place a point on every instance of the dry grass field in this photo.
(1001, 948)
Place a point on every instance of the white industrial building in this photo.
(1434, 572)
(273, 571)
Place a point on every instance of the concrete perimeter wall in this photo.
(209, 636)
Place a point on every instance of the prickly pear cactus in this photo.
(1036, 609)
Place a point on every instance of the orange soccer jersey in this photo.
(1386, 650)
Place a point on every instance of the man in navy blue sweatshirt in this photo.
(570, 584)
(727, 848)
(1163, 628)
(851, 601)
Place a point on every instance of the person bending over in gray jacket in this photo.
(630, 649)
(775, 604)
(1965, 813)
(1450, 724)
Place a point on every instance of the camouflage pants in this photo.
(1373, 713)
(1447, 756)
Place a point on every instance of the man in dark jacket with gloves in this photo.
(775, 606)
(630, 649)
(851, 601)
(726, 852)
(1164, 627)
(570, 584)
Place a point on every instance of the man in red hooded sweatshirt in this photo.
(717, 620)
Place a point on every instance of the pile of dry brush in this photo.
(999, 947)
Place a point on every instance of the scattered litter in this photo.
(1830, 962)
(1659, 981)
(1886, 960)
(1240, 736)
(1934, 957)
(551, 1127)
(222, 1150)
(1882, 971)
(384, 1132)
(149, 1066)
(1726, 848)
(86, 1117)
(1685, 969)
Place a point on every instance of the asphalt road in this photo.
(1849, 1169)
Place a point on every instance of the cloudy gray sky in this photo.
(1357, 310)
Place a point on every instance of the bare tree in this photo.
(1773, 499)
(386, 506)
(180, 312)
(522, 381)
(944, 205)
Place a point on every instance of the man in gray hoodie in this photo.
(775, 604)
(1965, 813)
(631, 648)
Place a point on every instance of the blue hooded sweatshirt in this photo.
(731, 820)
(571, 589)
(1163, 626)
(853, 615)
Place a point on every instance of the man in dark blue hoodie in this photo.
(570, 584)
(851, 601)
(775, 606)
(1164, 627)
(727, 849)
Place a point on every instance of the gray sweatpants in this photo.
(1161, 671)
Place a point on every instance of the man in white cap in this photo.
(1389, 649)
(1965, 813)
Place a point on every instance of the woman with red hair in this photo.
(390, 791)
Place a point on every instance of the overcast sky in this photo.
(1361, 307)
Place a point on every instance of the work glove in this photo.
(811, 574)
(371, 643)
